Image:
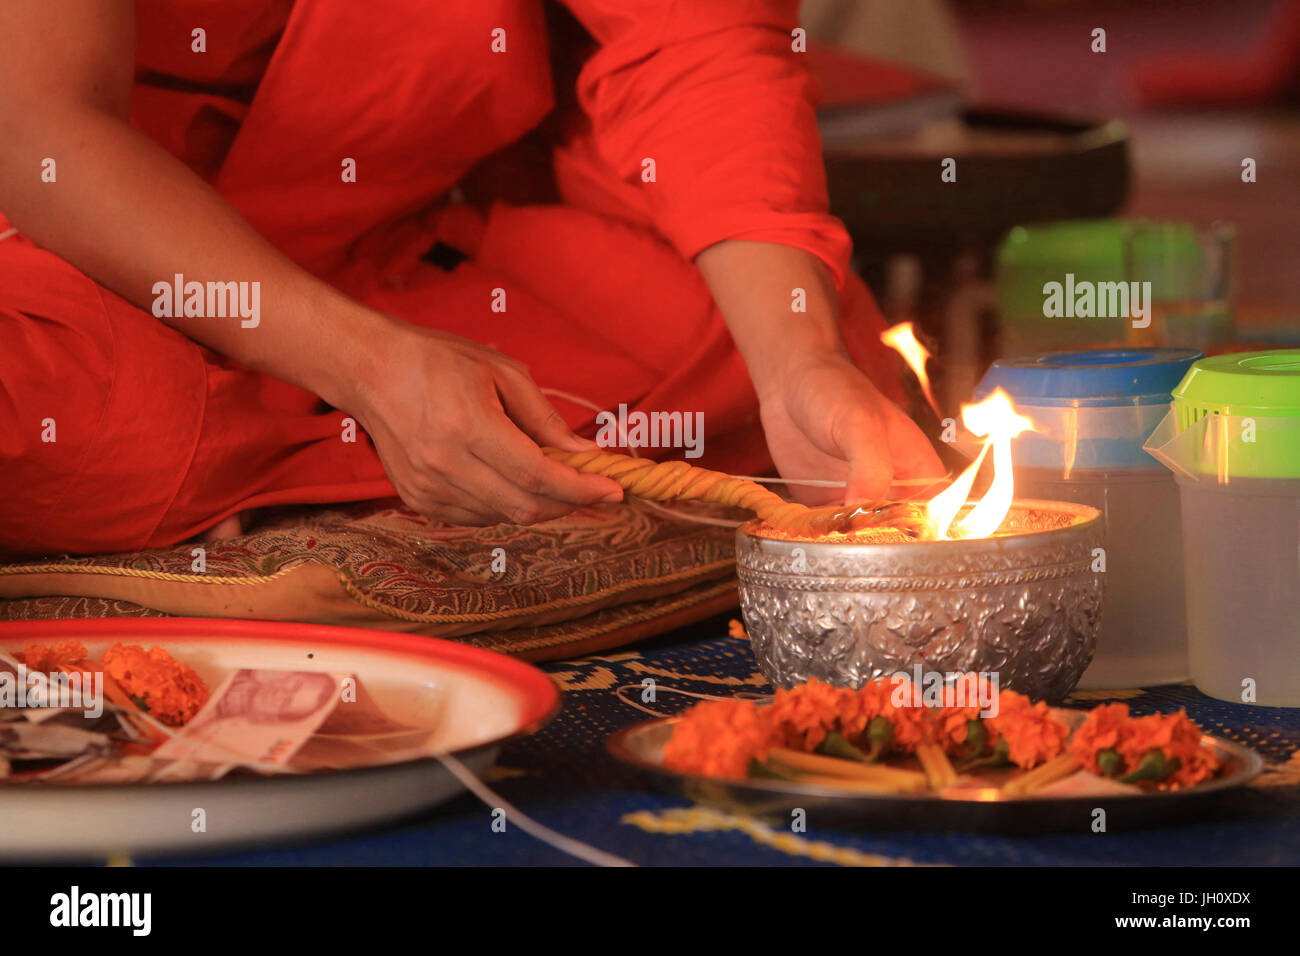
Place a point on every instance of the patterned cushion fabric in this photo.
(596, 579)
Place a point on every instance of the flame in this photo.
(902, 339)
(996, 420)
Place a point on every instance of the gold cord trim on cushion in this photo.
(193, 577)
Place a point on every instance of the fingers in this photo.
(453, 514)
(513, 456)
(912, 453)
(502, 498)
(528, 408)
(862, 437)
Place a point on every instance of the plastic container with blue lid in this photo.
(1092, 411)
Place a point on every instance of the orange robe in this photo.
(158, 438)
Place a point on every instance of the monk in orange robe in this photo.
(305, 158)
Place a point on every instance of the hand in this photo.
(824, 419)
(457, 426)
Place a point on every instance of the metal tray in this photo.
(966, 808)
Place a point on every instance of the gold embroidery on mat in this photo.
(1280, 774)
(755, 679)
(705, 820)
(1125, 694)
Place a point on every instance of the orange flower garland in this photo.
(724, 738)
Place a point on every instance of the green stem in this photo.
(767, 770)
(995, 758)
(1109, 762)
(1154, 767)
(880, 735)
(836, 745)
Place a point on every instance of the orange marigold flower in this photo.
(171, 691)
(1032, 734)
(717, 738)
(891, 698)
(1178, 738)
(66, 656)
(1105, 727)
(948, 725)
(1109, 727)
(801, 717)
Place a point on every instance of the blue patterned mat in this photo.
(563, 778)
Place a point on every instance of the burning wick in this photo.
(997, 419)
(994, 419)
(902, 339)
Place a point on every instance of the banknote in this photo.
(358, 713)
(256, 718)
(25, 740)
(359, 733)
(131, 770)
(266, 721)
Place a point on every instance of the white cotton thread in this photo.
(664, 688)
(725, 522)
(574, 848)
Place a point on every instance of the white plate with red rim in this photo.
(481, 699)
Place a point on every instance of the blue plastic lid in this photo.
(1090, 376)
(1081, 396)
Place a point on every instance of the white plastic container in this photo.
(1092, 411)
(1233, 440)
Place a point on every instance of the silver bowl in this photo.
(1024, 604)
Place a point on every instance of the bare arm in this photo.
(128, 213)
(455, 423)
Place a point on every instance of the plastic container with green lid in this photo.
(1181, 271)
(1251, 390)
(1232, 439)
(1031, 256)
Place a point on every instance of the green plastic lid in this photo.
(1092, 249)
(1086, 243)
(1262, 387)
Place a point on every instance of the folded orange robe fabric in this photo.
(158, 438)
